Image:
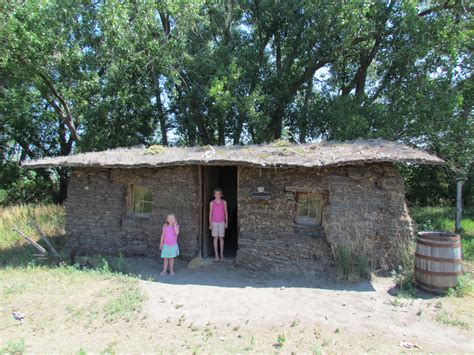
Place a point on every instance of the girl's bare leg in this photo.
(216, 250)
(165, 266)
(222, 247)
(171, 266)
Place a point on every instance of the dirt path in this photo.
(309, 312)
(216, 309)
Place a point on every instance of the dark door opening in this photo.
(224, 177)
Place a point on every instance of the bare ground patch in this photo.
(217, 308)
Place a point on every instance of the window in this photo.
(308, 208)
(141, 200)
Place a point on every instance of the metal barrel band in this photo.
(440, 273)
(430, 287)
(433, 237)
(440, 260)
(444, 245)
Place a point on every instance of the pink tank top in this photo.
(218, 211)
(170, 237)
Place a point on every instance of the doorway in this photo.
(224, 177)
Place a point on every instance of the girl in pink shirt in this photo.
(169, 243)
(218, 222)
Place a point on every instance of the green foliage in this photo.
(82, 76)
(351, 264)
(442, 219)
(281, 339)
(464, 286)
(125, 305)
(13, 348)
(447, 319)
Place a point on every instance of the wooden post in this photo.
(30, 241)
(459, 184)
(201, 212)
(44, 238)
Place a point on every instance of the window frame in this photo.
(131, 201)
(309, 221)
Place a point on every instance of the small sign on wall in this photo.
(261, 194)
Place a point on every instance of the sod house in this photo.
(288, 204)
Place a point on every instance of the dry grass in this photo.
(13, 249)
(49, 217)
(279, 153)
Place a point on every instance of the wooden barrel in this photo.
(437, 261)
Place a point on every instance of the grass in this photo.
(351, 265)
(281, 339)
(89, 298)
(442, 219)
(445, 318)
(464, 286)
(13, 347)
(125, 305)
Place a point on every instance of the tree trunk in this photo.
(459, 185)
(220, 130)
(204, 137)
(61, 195)
(238, 129)
(159, 108)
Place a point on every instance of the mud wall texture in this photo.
(98, 219)
(363, 208)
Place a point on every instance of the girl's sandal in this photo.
(163, 273)
(172, 273)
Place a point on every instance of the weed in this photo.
(81, 352)
(317, 351)
(124, 305)
(445, 318)
(209, 333)
(464, 286)
(155, 149)
(419, 312)
(236, 328)
(252, 342)
(109, 350)
(337, 331)
(13, 347)
(403, 274)
(351, 265)
(181, 320)
(178, 306)
(295, 323)
(280, 341)
(396, 302)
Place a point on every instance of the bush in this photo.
(464, 286)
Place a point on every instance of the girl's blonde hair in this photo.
(168, 216)
(218, 190)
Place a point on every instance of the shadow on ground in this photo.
(205, 273)
(227, 274)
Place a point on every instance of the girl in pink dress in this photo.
(169, 243)
(218, 222)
